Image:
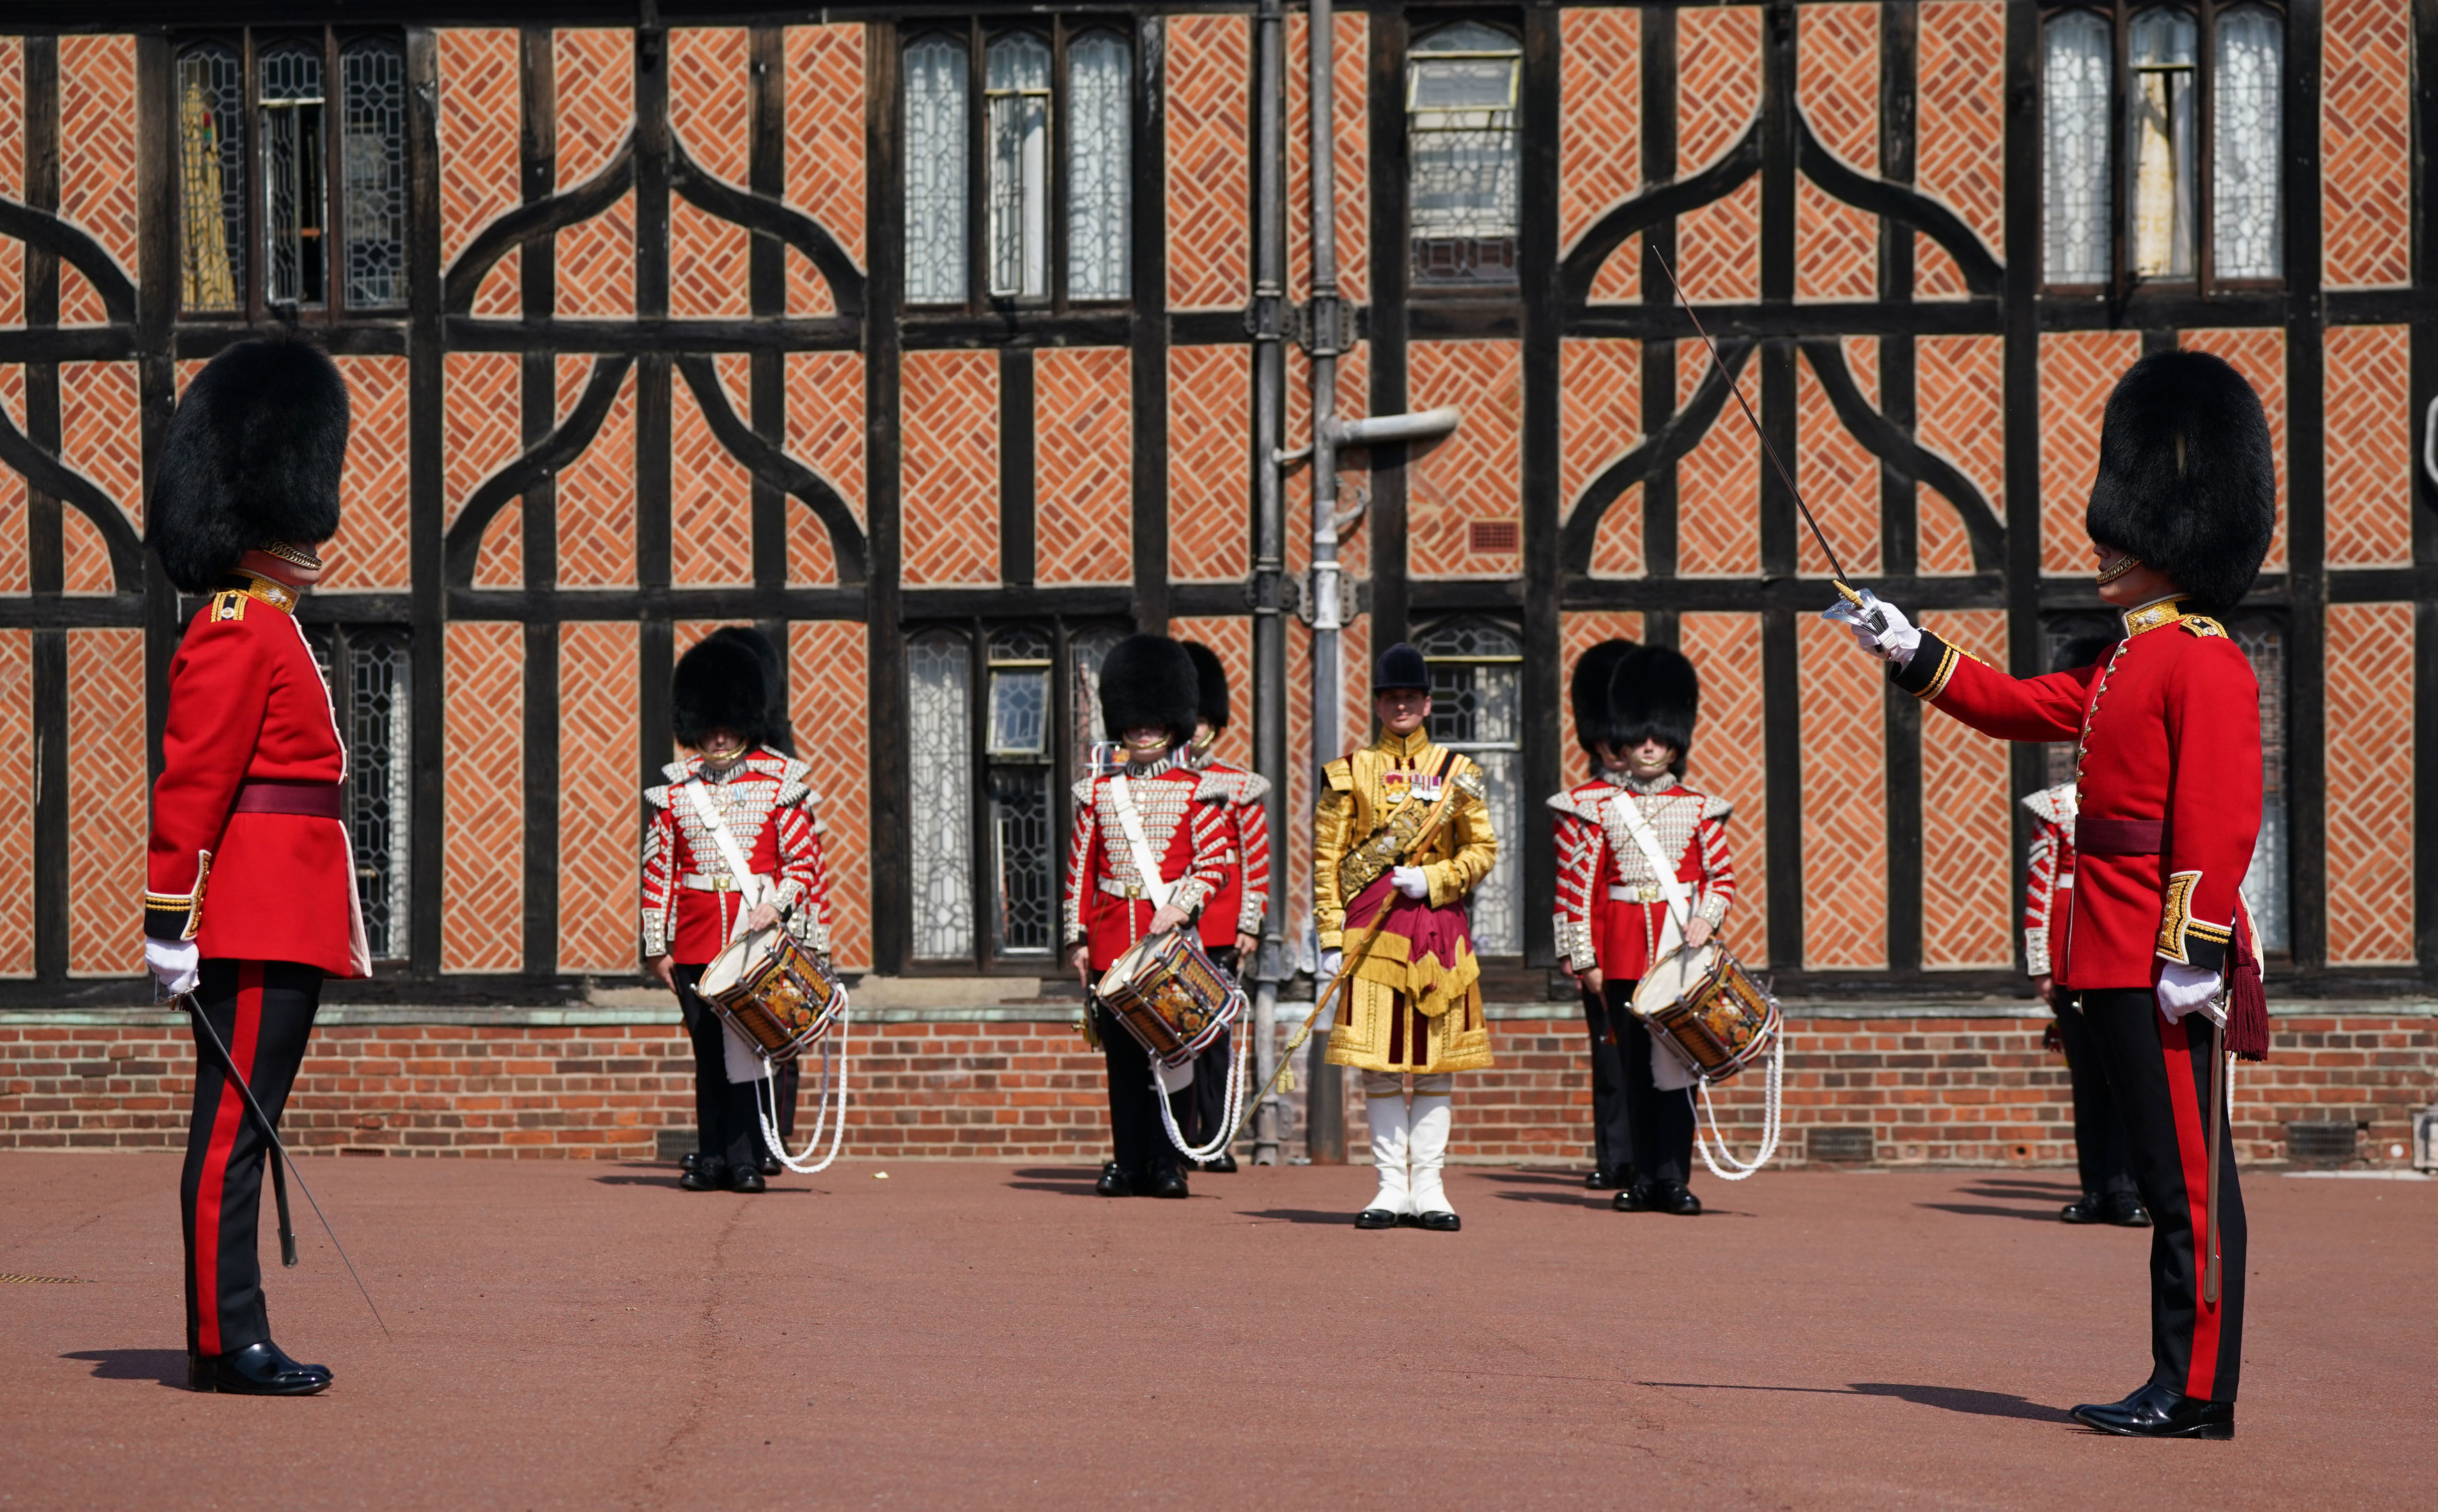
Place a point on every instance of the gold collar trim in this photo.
(254, 586)
(2151, 616)
(1407, 747)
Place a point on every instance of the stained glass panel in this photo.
(935, 170)
(940, 803)
(211, 178)
(1477, 708)
(374, 157)
(1016, 84)
(2159, 143)
(2264, 886)
(2073, 128)
(378, 767)
(2246, 242)
(292, 165)
(1460, 123)
(1098, 159)
(1022, 860)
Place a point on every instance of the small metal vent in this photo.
(674, 1145)
(2320, 1141)
(1492, 536)
(1840, 1142)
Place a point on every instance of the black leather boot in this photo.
(771, 1166)
(2125, 1210)
(1224, 1162)
(747, 1179)
(2155, 1411)
(1675, 1197)
(1635, 1198)
(256, 1370)
(1606, 1179)
(1114, 1182)
(1166, 1180)
(2088, 1208)
(708, 1175)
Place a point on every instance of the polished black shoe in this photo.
(2155, 1411)
(1166, 1180)
(771, 1166)
(1607, 1179)
(1441, 1223)
(745, 1179)
(1113, 1182)
(688, 1161)
(1635, 1198)
(707, 1175)
(2088, 1208)
(1223, 1163)
(1376, 1218)
(256, 1370)
(2125, 1210)
(1675, 1197)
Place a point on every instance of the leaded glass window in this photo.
(211, 178)
(373, 155)
(2243, 174)
(935, 170)
(2075, 189)
(294, 212)
(1023, 841)
(1017, 89)
(1086, 650)
(2162, 48)
(1099, 167)
(940, 803)
(1477, 708)
(1460, 87)
(2266, 885)
(368, 675)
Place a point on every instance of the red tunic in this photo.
(1187, 834)
(1236, 908)
(2168, 779)
(247, 704)
(689, 900)
(1597, 859)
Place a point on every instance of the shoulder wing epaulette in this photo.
(657, 797)
(676, 771)
(1083, 791)
(2055, 804)
(1339, 775)
(2202, 626)
(1713, 806)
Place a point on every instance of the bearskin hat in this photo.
(2187, 477)
(1594, 720)
(719, 684)
(253, 454)
(1211, 703)
(772, 730)
(1654, 694)
(1148, 681)
(1401, 669)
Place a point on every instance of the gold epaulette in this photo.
(229, 599)
(2202, 626)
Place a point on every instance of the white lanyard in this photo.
(1130, 821)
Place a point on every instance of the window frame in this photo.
(1511, 852)
(1418, 286)
(333, 644)
(2121, 282)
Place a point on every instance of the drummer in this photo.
(1615, 918)
(724, 709)
(1135, 839)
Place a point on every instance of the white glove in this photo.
(1411, 882)
(1880, 627)
(2183, 989)
(1331, 960)
(176, 966)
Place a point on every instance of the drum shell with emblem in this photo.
(1170, 995)
(1708, 1009)
(772, 990)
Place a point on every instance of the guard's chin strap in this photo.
(2124, 565)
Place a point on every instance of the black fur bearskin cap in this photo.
(253, 454)
(2187, 476)
(1653, 695)
(772, 730)
(720, 684)
(1211, 703)
(1594, 720)
(1148, 681)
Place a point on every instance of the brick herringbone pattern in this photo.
(481, 855)
(707, 108)
(1960, 129)
(13, 563)
(598, 838)
(1473, 474)
(371, 550)
(1353, 155)
(478, 120)
(2260, 356)
(1844, 803)
(1967, 878)
(101, 434)
(825, 431)
(1729, 758)
(1718, 488)
(1959, 394)
(85, 555)
(479, 423)
(1207, 505)
(1578, 633)
(1838, 86)
(2077, 368)
(1718, 71)
(1839, 477)
(1836, 246)
(501, 294)
(500, 562)
(1083, 465)
(1599, 134)
(96, 159)
(107, 814)
(824, 135)
(827, 699)
(2369, 812)
(1232, 637)
(950, 477)
(596, 109)
(16, 796)
(1207, 137)
(711, 495)
(707, 264)
(1934, 272)
(2368, 418)
(2365, 143)
(596, 264)
(1599, 385)
(1616, 548)
(12, 176)
(597, 491)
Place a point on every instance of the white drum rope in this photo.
(1736, 1170)
(828, 1112)
(1243, 1046)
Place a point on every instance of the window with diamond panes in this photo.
(373, 172)
(1098, 165)
(1477, 708)
(939, 789)
(1017, 89)
(1024, 844)
(211, 178)
(294, 159)
(1465, 178)
(936, 70)
(368, 673)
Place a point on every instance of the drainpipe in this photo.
(1267, 320)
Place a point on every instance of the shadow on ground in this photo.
(1948, 1399)
(166, 1366)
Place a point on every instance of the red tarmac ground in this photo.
(573, 1335)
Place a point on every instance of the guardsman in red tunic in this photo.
(723, 708)
(2168, 777)
(1613, 916)
(1153, 807)
(1611, 1142)
(250, 888)
(1231, 921)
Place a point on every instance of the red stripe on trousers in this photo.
(2192, 1148)
(226, 1118)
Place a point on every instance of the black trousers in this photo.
(732, 1130)
(1658, 1122)
(1612, 1138)
(2098, 1127)
(263, 1010)
(2160, 1073)
(1209, 1094)
(1140, 1144)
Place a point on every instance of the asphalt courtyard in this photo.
(575, 1335)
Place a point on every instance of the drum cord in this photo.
(834, 1058)
(1770, 1110)
(1244, 1048)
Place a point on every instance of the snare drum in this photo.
(1708, 1009)
(1170, 996)
(769, 987)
